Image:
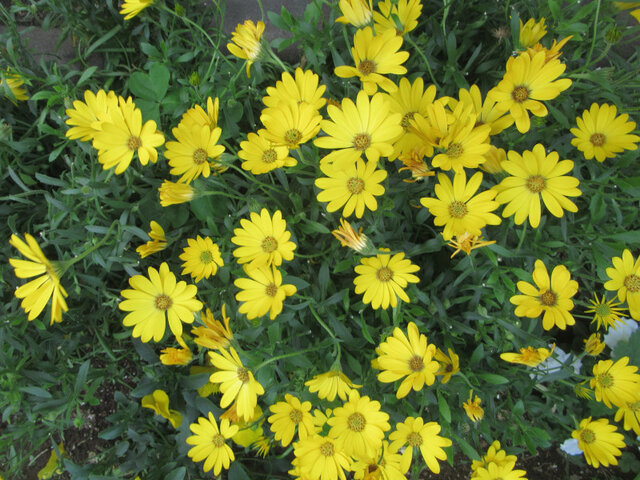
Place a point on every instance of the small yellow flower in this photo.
(172, 193)
(175, 356)
(625, 278)
(529, 356)
(131, 8)
(472, 407)
(245, 42)
(53, 466)
(466, 242)
(356, 12)
(158, 401)
(583, 392)
(414, 162)
(348, 237)
(201, 258)
(593, 345)
(401, 17)
(210, 443)
(531, 32)
(606, 312)
(449, 365)
(157, 243)
(213, 335)
(14, 83)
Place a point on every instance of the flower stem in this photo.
(291, 354)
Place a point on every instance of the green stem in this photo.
(208, 193)
(593, 38)
(321, 322)
(288, 355)
(522, 237)
(424, 59)
(68, 263)
(277, 60)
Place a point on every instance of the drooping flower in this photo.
(289, 416)
(172, 193)
(615, 383)
(486, 111)
(176, 356)
(493, 160)
(529, 356)
(494, 471)
(261, 155)
(213, 335)
(157, 243)
(85, 118)
(355, 12)
(54, 465)
(625, 278)
(329, 384)
(158, 401)
(593, 345)
(154, 300)
(606, 312)
(384, 464)
(631, 413)
(303, 89)
(531, 32)
(549, 295)
(36, 294)
(494, 455)
(414, 433)
(472, 408)
(348, 237)
(14, 84)
(131, 8)
(245, 42)
(210, 443)
(466, 242)
(401, 17)
(600, 442)
(262, 292)
(201, 258)
(449, 365)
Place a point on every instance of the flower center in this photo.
(206, 257)
(548, 298)
(269, 244)
(269, 156)
(632, 282)
(163, 302)
(243, 374)
(199, 156)
(355, 185)
(295, 415)
(134, 143)
(406, 120)
(361, 141)
(598, 139)
(529, 355)
(293, 136)
(605, 380)
(271, 290)
(371, 469)
(366, 67)
(416, 364)
(602, 310)
(455, 150)
(536, 183)
(384, 274)
(356, 422)
(326, 449)
(587, 436)
(414, 439)
(457, 209)
(520, 94)
(218, 440)
(448, 367)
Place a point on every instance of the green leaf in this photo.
(36, 392)
(493, 378)
(177, 474)
(81, 377)
(159, 75)
(237, 472)
(443, 408)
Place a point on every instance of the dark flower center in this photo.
(243, 374)
(587, 436)
(457, 209)
(269, 244)
(199, 156)
(548, 298)
(218, 440)
(605, 380)
(366, 67)
(295, 415)
(416, 364)
(271, 290)
(406, 120)
(414, 439)
(293, 136)
(455, 150)
(163, 302)
(206, 257)
(384, 274)
(361, 141)
(356, 422)
(632, 282)
(326, 449)
(269, 156)
(520, 94)
(598, 139)
(536, 183)
(134, 143)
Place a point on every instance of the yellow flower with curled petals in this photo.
(245, 42)
(158, 401)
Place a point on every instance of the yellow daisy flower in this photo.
(175, 356)
(158, 401)
(124, 135)
(86, 118)
(190, 155)
(356, 12)
(384, 464)
(36, 294)
(631, 413)
(303, 89)
(201, 258)
(210, 443)
(448, 365)
(414, 433)
(157, 243)
(289, 415)
(245, 42)
(131, 8)
(352, 188)
(364, 127)
(504, 472)
(383, 279)
(409, 357)
(237, 383)
(602, 134)
(359, 425)
(348, 237)
(625, 278)
(606, 312)
(494, 455)
(615, 383)
(154, 300)
(487, 111)
(213, 335)
(531, 32)
(535, 176)
(172, 193)
(526, 82)
(263, 240)
(260, 155)
(493, 160)
(319, 458)
(375, 56)
(197, 117)
(290, 124)
(14, 84)
(600, 442)
(551, 53)
(472, 407)
(551, 296)
(331, 383)
(593, 345)
(262, 292)
(458, 209)
(401, 17)
(529, 356)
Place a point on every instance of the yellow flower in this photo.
(157, 243)
(355, 12)
(261, 155)
(600, 442)
(86, 118)
(593, 345)
(414, 433)
(625, 278)
(383, 279)
(583, 392)
(201, 258)
(262, 292)
(615, 383)
(631, 413)
(465, 243)
(196, 117)
(263, 241)
(414, 162)
(210, 443)
(155, 300)
(531, 32)
(319, 458)
(330, 384)
(551, 296)
(487, 111)
(213, 335)
(245, 41)
(550, 53)
(250, 430)
(448, 365)
(190, 155)
(131, 8)
(348, 237)
(14, 84)
(410, 357)
(401, 18)
(529, 356)
(472, 408)
(526, 82)
(375, 56)
(494, 455)
(493, 160)
(458, 209)
(236, 382)
(606, 313)
(494, 471)
(175, 356)
(351, 188)
(36, 294)
(290, 124)
(303, 89)
(54, 464)
(158, 401)
(289, 415)
(384, 464)
(535, 176)
(602, 134)
(172, 193)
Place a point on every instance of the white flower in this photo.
(570, 447)
(555, 363)
(622, 333)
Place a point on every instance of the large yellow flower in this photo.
(364, 127)
(303, 89)
(410, 357)
(131, 8)
(526, 82)
(625, 278)
(262, 292)
(190, 155)
(289, 415)
(290, 124)
(535, 176)
(236, 382)
(354, 187)
(551, 296)
(458, 209)
(36, 294)
(602, 134)
(319, 458)
(383, 279)
(414, 433)
(85, 118)
(600, 442)
(615, 383)
(155, 300)
(261, 155)
(210, 443)
(374, 57)
(245, 41)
